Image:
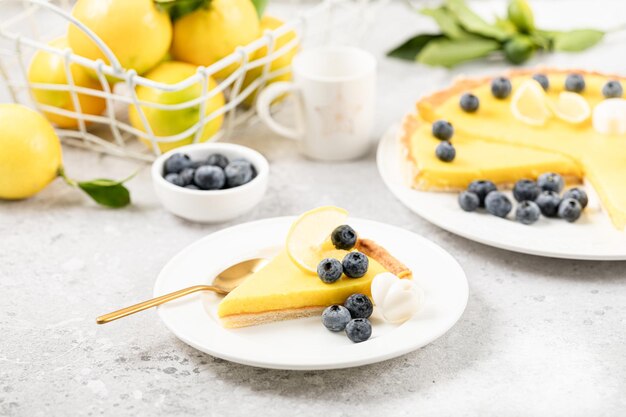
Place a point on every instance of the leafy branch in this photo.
(109, 193)
(465, 36)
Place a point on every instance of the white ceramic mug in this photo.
(335, 88)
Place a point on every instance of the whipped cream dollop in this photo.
(609, 117)
(396, 299)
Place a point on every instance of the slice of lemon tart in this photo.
(286, 288)
(503, 142)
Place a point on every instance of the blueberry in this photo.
(469, 201)
(335, 318)
(501, 87)
(481, 188)
(498, 204)
(217, 159)
(186, 175)
(254, 171)
(550, 182)
(469, 103)
(246, 161)
(176, 163)
(343, 237)
(355, 264)
(570, 210)
(209, 177)
(359, 330)
(527, 212)
(612, 89)
(238, 173)
(192, 186)
(577, 194)
(174, 179)
(443, 130)
(575, 83)
(329, 270)
(526, 190)
(445, 151)
(548, 202)
(197, 164)
(359, 305)
(542, 80)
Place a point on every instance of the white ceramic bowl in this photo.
(211, 206)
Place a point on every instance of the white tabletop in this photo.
(539, 336)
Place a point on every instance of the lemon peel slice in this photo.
(530, 105)
(571, 108)
(307, 240)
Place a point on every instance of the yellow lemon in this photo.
(166, 122)
(214, 31)
(307, 240)
(137, 33)
(49, 68)
(283, 61)
(30, 152)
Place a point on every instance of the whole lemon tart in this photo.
(492, 143)
(285, 289)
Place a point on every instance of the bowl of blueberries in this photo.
(210, 182)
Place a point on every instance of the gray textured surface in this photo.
(539, 336)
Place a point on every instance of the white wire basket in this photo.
(27, 26)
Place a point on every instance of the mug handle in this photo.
(264, 101)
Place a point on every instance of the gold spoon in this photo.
(225, 282)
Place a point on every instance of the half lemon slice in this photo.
(571, 108)
(308, 239)
(529, 104)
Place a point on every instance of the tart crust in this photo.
(383, 257)
(262, 317)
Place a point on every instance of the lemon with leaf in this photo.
(31, 158)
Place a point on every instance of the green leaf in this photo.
(179, 8)
(521, 15)
(576, 40)
(541, 40)
(506, 25)
(107, 192)
(446, 21)
(260, 5)
(412, 47)
(519, 49)
(110, 193)
(474, 23)
(450, 52)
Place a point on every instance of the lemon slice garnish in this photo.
(529, 104)
(571, 107)
(308, 239)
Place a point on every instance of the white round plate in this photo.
(304, 344)
(592, 237)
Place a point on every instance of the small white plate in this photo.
(592, 237)
(305, 344)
